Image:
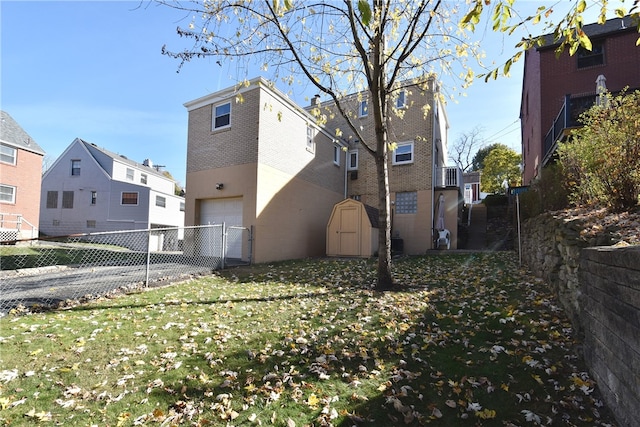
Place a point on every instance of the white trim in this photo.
(137, 193)
(214, 116)
(13, 194)
(15, 155)
(349, 153)
(336, 153)
(412, 152)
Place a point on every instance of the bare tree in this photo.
(461, 152)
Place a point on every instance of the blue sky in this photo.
(94, 70)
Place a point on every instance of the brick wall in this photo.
(26, 176)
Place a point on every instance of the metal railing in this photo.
(50, 272)
(12, 229)
(448, 176)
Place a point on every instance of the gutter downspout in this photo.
(433, 167)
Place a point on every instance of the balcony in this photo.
(448, 176)
(565, 121)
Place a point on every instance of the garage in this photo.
(352, 229)
(229, 213)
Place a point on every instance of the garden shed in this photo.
(352, 229)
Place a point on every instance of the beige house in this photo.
(256, 159)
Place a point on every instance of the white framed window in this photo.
(94, 197)
(8, 154)
(129, 198)
(67, 200)
(407, 203)
(363, 108)
(130, 174)
(403, 154)
(161, 201)
(311, 133)
(352, 160)
(7, 193)
(52, 199)
(222, 116)
(401, 100)
(143, 178)
(336, 154)
(75, 167)
(181, 206)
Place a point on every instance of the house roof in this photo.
(595, 30)
(122, 158)
(11, 133)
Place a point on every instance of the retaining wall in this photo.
(599, 287)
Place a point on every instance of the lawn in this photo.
(470, 340)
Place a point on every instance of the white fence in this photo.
(49, 272)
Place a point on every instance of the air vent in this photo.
(354, 175)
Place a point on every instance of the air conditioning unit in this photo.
(354, 174)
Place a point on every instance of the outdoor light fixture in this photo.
(219, 186)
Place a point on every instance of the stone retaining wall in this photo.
(599, 287)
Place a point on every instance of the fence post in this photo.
(146, 277)
(223, 250)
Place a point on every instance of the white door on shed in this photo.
(229, 212)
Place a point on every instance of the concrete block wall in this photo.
(610, 300)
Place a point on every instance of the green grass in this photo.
(470, 340)
(19, 257)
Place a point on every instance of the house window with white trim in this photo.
(401, 99)
(129, 198)
(336, 154)
(403, 154)
(161, 201)
(311, 133)
(94, 197)
(363, 109)
(75, 167)
(143, 178)
(407, 202)
(181, 206)
(352, 163)
(7, 193)
(222, 116)
(130, 174)
(7, 154)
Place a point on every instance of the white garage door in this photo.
(229, 212)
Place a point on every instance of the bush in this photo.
(548, 193)
(602, 160)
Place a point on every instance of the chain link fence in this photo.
(48, 273)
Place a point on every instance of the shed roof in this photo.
(12, 133)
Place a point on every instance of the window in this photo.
(75, 167)
(336, 155)
(352, 163)
(181, 206)
(91, 223)
(363, 110)
(67, 200)
(401, 99)
(161, 201)
(403, 153)
(407, 203)
(129, 174)
(7, 193)
(143, 178)
(52, 199)
(7, 154)
(94, 197)
(222, 116)
(310, 135)
(590, 58)
(129, 198)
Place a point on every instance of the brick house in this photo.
(256, 159)
(556, 90)
(90, 189)
(20, 174)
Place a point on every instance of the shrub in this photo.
(602, 159)
(548, 193)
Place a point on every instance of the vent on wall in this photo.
(354, 174)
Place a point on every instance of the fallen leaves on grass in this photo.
(468, 340)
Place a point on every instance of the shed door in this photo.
(349, 231)
(229, 212)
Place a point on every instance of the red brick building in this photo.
(20, 176)
(556, 90)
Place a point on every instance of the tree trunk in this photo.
(385, 279)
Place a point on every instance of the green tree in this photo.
(602, 159)
(478, 159)
(501, 165)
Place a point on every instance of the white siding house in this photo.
(89, 189)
